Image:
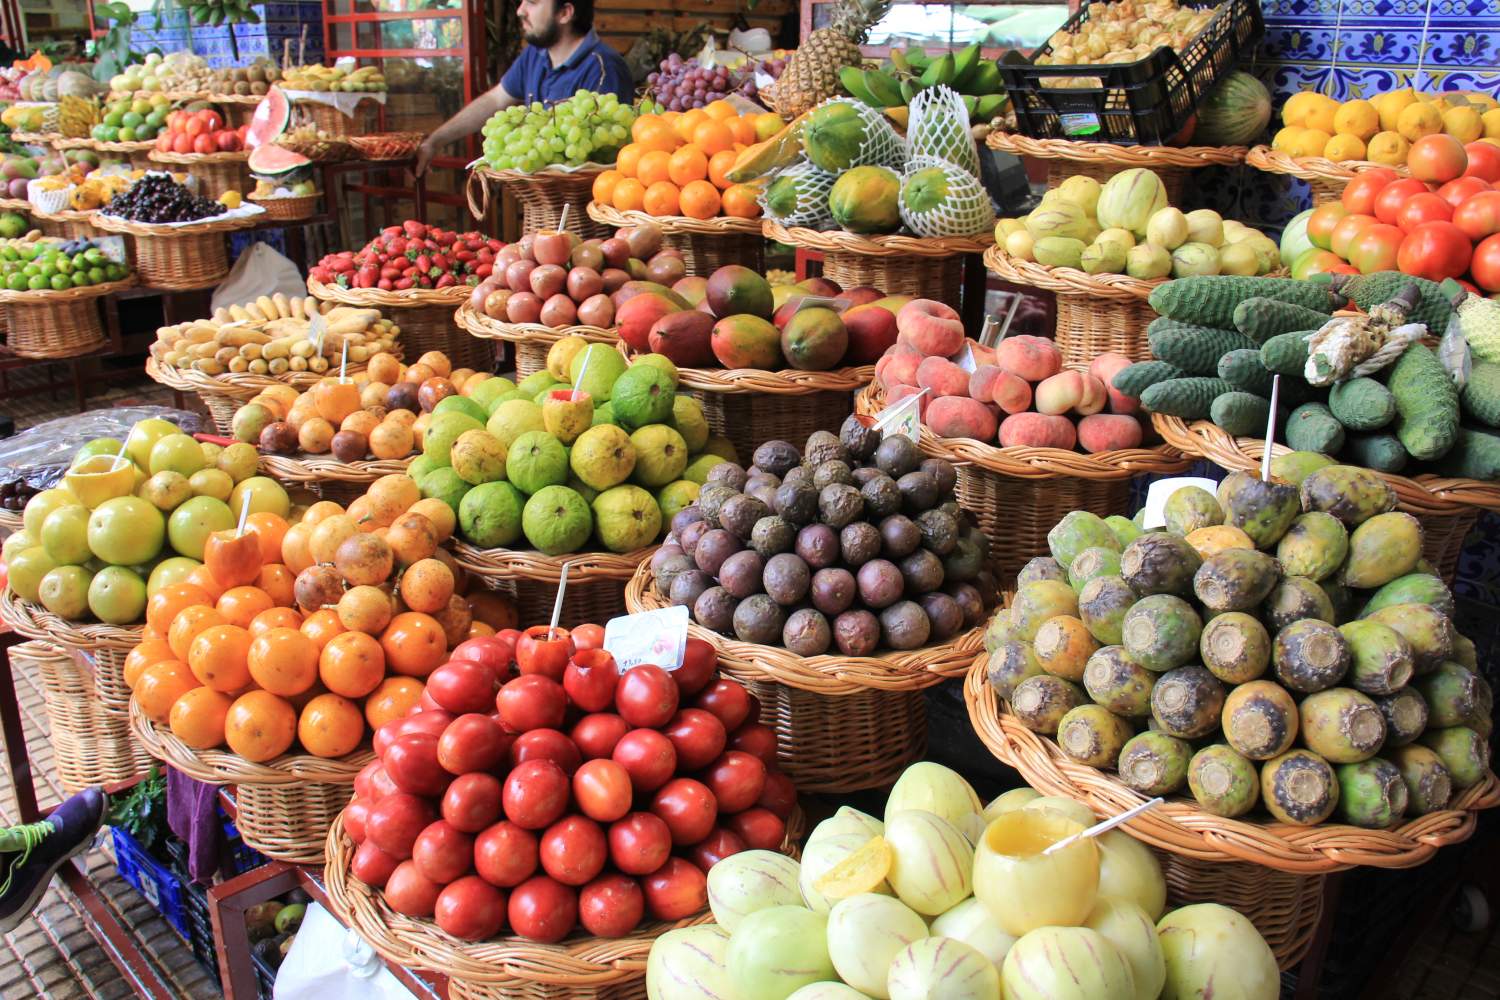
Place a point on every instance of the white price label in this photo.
(1161, 490)
(965, 358)
(821, 302)
(658, 637)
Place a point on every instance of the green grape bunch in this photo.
(586, 128)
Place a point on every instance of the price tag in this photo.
(821, 302)
(1080, 124)
(113, 247)
(658, 637)
(904, 418)
(1156, 497)
(965, 358)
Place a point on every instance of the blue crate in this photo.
(152, 879)
(242, 857)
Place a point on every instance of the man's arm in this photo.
(465, 123)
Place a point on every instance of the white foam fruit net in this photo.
(939, 127)
(798, 196)
(880, 146)
(940, 199)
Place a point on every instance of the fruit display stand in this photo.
(1102, 160)
(179, 257)
(238, 108)
(425, 316)
(531, 341)
(1018, 494)
(337, 114)
(1096, 313)
(1326, 178)
(596, 580)
(53, 324)
(380, 146)
(1447, 507)
(226, 393)
(1273, 873)
(843, 723)
(286, 805)
(899, 265)
(216, 172)
(543, 196)
(706, 244)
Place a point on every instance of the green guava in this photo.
(660, 361)
(604, 414)
(445, 484)
(513, 418)
(437, 440)
(461, 404)
(720, 445)
(535, 383)
(687, 417)
(556, 520)
(660, 455)
(600, 366)
(491, 389)
(675, 496)
(603, 456)
(642, 395)
(697, 469)
(489, 515)
(536, 460)
(477, 457)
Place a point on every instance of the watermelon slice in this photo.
(275, 162)
(270, 120)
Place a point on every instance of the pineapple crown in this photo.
(854, 18)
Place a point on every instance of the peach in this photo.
(943, 377)
(931, 327)
(960, 417)
(897, 393)
(1105, 367)
(1060, 393)
(1108, 432)
(1037, 430)
(1095, 395)
(990, 384)
(1032, 358)
(900, 366)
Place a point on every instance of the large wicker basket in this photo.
(1446, 507)
(843, 723)
(216, 172)
(897, 265)
(138, 152)
(1019, 494)
(706, 244)
(329, 119)
(66, 324)
(179, 258)
(531, 341)
(425, 316)
(68, 224)
(1102, 160)
(1326, 178)
(106, 645)
(542, 195)
(596, 580)
(224, 394)
(1271, 872)
(286, 806)
(328, 477)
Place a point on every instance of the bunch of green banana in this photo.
(912, 70)
(216, 12)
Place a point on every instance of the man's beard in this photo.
(545, 37)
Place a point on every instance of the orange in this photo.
(713, 137)
(278, 582)
(240, 605)
(688, 164)
(166, 602)
(159, 687)
(480, 629)
(275, 618)
(294, 551)
(743, 130)
(639, 127)
(218, 657)
(721, 110)
(657, 135)
(739, 201)
(392, 700)
(654, 167)
(688, 121)
(203, 577)
(331, 726)
(700, 199)
(260, 726)
(718, 167)
(197, 717)
(629, 195)
(152, 634)
(352, 664)
(283, 661)
(604, 185)
(414, 644)
(661, 199)
(626, 160)
(186, 626)
(142, 656)
(495, 610)
(269, 529)
(320, 626)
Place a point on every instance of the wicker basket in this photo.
(67, 224)
(224, 394)
(1019, 494)
(329, 119)
(216, 172)
(1446, 507)
(596, 580)
(66, 324)
(843, 723)
(1326, 178)
(293, 208)
(106, 645)
(542, 196)
(386, 145)
(137, 152)
(91, 745)
(329, 478)
(179, 258)
(10, 520)
(531, 341)
(1102, 160)
(1270, 872)
(706, 244)
(897, 265)
(318, 150)
(285, 806)
(425, 316)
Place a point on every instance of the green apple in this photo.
(191, 524)
(143, 437)
(264, 493)
(27, 568)
(214, 483)
(173, 569)
(117, 595)
(65, 591)
(44, 503)
(166, 490)
(126, 530)
(240, 460)
(176, 453)
(65, 535)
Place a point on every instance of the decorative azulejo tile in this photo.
(1465, 47)
(1464, 8)
(1415, 9)
(1383, 45)
(1315, 42)
(1299, 9)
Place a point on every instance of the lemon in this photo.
(230, 199)
(1298, 107)
(1344, 147)
(1463, 123)
(1387, 148)
(1321, 115)
(1491, 121)
(862, 871)
(1358, 119)
(1419, 119)
(1285, 138)
(1311, 142)
(1391, 105)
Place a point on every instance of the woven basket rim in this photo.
(285, 199)
(170, 95)
(1313, 168)
(1426, 493)
(66, 215)
(303, 468)
(36, 138)
(896, 245)
(543, 176)
(173, 231)
(42, 297)
(480, 325)
(103, 146)
(221, 767)
(376, 298)
(1180, 827)
(238, 156)
(1069, 280)
(1080, 151)
(786, 382)
(11, 520)
(235, 98)
(1038, 463)
(36, 622)
(15, 205)
(528, 564)
(827, 674)
(719, 225)
(241, 385)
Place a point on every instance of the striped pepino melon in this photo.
(1129, 199)
(1235, 112)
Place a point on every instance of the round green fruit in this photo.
(117, 595)
(64, 591)
(446, 485)
(513, 418)
(27, 568)
(126, 531)
(167, 489)
(44, 503)
(265, 494)
(600, 365)
(191, 524)
(65, 535)
(675, 496)
(536, 460)
(240, 460)
(660, 455)
(556, 520)
(489, 515)
(626, 518)
(173, 569)
(143, 437)
(98, 446)
(214, 483)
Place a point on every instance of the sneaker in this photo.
(32, 853)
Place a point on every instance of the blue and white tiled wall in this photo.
(279, 22)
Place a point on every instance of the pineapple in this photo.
(812, 73)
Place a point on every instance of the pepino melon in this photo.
(1234, 113)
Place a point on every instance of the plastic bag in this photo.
(41, 454)
(259, 271)
(329, 962)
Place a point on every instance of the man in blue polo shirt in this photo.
(563, 55)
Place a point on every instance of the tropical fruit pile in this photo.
(18, 168)
(854, 543)
(334, 79)
(1385, 128)
(157, 198)
(675, 163)
(199, 131)
(734, 318)
(586, 128)
(811, 74)
(602, 457)
(964, 387)
(945, 897)
(540, 790)
(177, 71)
(1360, 387)
(1125, 226)
(273, 335)
(305, 636)
(1282, 643)
(255, 78)
(131, 119)
(1124, 31)
(57, 265)
(909, 71)
(411, 255)
(129, 518)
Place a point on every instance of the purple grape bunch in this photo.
(681, 84)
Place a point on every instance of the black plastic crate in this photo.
(265, 977)
(1147, 102)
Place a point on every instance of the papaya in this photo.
(867, 200)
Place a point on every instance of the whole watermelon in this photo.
(867, 200)
(1235, 112)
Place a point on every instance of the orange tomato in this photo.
(260, 726)
(320, 626)
(201, 576)
(604, 185)
(197, 717)
(283, 661)
(330, 726)
(166, 602)
(240, 605)
(688, 164)
(269, 529)
(149, 651)
(688, 121)
(629, 195)
(278, 582)
(159, 687)
(186, 626)
(718, 168)
(219, 657)
(654, 167)
(661, 199)
(700, 199)
(392, 700)
(740, 201)
(713, 137)
(352, 664)
(627, 159)
(275, 618)
(414, 644)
